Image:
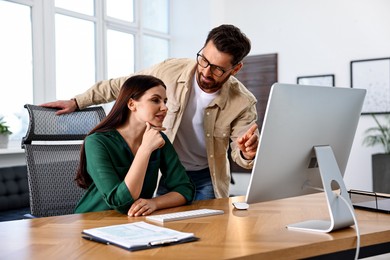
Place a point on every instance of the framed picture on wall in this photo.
(317, 80)
(374, 76)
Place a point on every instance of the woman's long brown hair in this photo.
(133, 88)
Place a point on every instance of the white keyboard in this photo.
(162, 218)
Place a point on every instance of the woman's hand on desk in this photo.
(142, 207)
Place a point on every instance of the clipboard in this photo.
(137, 236)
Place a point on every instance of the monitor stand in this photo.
(340, 212)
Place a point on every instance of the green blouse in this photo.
(108, 161)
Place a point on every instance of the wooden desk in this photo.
(257, 233)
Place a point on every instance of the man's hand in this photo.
(248, 143)
(64, 106)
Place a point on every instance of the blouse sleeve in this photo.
(108, 178)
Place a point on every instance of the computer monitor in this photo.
(305, 127)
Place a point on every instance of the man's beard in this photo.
(209, 87)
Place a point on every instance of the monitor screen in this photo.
(299, 118)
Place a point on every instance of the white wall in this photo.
(190, 23)
(311, 37)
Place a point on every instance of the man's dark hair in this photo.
(229, 39)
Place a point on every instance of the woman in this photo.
(121, 156)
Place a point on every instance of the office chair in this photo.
(52, 147)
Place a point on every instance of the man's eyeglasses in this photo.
(204, 63)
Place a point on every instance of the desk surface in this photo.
(258, 232)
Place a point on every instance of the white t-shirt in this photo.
(190, 143)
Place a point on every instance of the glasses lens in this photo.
(202, 61)
(217, 71)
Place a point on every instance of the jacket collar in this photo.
(223, 96)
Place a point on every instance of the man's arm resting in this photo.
(63, 106)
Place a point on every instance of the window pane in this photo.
(120, 54)
(121, 9)
(154, 50)
(15, 66)
(83, 6)
(75, 56)
(155, 15)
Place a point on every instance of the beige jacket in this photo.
(227, 116)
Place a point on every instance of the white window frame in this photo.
(43, 42)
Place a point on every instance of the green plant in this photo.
(379, 134)
(4, 129)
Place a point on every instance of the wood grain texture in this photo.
(258, 232)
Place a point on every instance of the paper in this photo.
(137, 234)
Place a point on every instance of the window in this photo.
(15, 65)
(57, 49)
(156, 15)
(82, 7)
(154, 50)
(75, 55)
(121, 62)
(120, 9)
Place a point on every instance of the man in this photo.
(207, 107)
